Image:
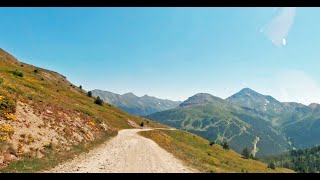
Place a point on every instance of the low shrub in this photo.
(98, 101)
(17, 73)
(212, 143)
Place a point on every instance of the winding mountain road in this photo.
(128, 152)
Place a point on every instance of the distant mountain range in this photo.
(247, 119)
(133, 104)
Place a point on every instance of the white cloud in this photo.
(278, 28)
(297, 86)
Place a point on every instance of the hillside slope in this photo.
(197, 152)
(300, 123)
(219, 120)
(42, 112)
(136, 105)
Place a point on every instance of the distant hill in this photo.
(136, 105)
(251, 99)
(247, 119)
(201, 99)
(219, 120)
(299, 122)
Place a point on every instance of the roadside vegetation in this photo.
(197, 152)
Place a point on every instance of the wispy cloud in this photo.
(278, 28)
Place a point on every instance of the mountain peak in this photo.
(134, 104)
(314, 105)
(203, 95)
(247, 97)
(200, 99)
(129, 94)
(248, 91)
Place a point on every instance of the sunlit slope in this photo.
(196, 152)
(41, 110)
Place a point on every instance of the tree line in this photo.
(304, 161)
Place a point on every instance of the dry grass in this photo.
(197, 153)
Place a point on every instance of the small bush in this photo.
(272, 165)
(7, 105)
(9, 116)
(42, 79)
(212, 143)
(80, 87)
(17, 73)
(245, 153)
(99, 101)
(35, 70)
(48, 145)
(91, 123)
(225, 146)
(21, 65)
(89, 94)
(99, 120)
(141, 124)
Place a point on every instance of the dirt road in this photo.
(127, 152)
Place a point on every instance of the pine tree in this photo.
(272, 165)
(89, 94)
(245, 153)
(225, 146)
(98, 101)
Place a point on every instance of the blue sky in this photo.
(172, 53)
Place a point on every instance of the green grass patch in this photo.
(17, 73)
